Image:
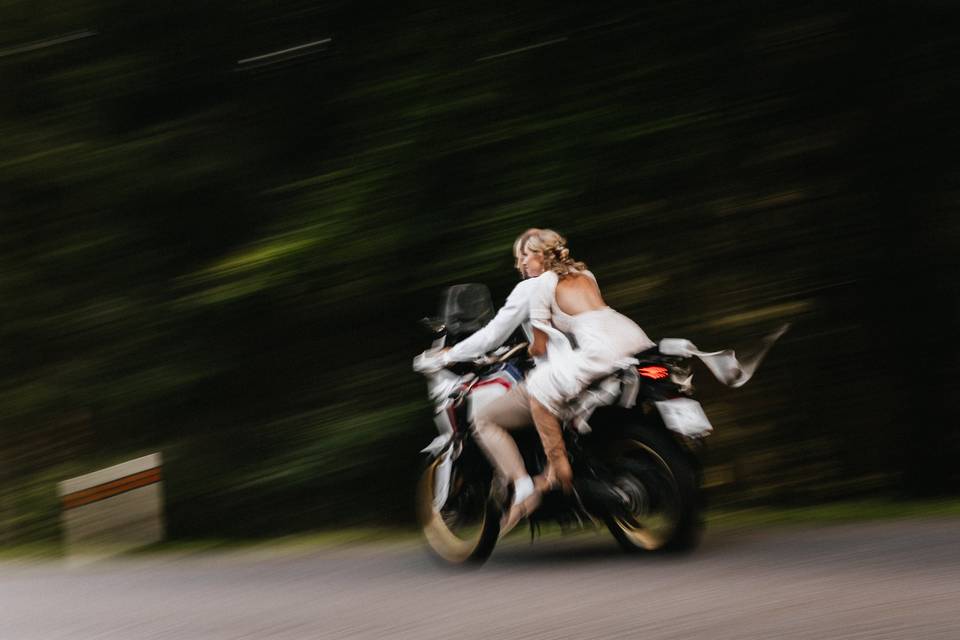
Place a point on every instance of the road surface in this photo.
(896, 580)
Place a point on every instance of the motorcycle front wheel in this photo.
(465, 529)
(659, 490)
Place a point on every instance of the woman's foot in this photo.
(556, 476)
(526, 498)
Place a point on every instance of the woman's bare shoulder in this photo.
(577, 279)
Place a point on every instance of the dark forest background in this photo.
(218, 251)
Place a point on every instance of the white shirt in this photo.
(514, 313)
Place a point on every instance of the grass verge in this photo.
(846, 511)
(720, 520)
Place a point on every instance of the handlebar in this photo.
(497, 359)
(430, 361)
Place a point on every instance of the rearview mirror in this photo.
(433, 325)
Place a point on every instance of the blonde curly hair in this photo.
(553, 247)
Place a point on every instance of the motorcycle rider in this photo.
(567, 304)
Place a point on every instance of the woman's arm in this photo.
(514, 312)
(541, 311)
(539, 345)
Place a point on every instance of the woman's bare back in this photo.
(578, 293)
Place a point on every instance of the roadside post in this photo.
(115, 509)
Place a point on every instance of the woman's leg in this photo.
(558, 472)
(551, 435)
(509, 411)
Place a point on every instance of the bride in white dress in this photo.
(586, 340)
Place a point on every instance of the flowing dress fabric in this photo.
(606, 341)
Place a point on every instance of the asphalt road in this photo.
(878, 580)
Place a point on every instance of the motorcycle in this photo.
(633, 440)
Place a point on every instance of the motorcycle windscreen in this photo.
(466, 308)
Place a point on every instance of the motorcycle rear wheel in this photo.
(658, 486)
(466, 528)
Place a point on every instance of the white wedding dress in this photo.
(605, 342)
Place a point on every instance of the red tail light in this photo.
(654, 373)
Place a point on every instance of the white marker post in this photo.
(114, 509)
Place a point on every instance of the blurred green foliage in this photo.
(224, 259)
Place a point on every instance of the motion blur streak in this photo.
(273, 54)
